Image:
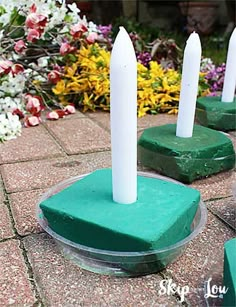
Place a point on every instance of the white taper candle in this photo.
(230, 71)
(189, 86)
(123, 91)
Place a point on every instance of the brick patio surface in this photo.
(32, 270)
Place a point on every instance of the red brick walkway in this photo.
(33, 272)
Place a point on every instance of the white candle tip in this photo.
(123, 85)
(230, 71)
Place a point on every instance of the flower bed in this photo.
(53, 59)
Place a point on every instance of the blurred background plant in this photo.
(37, 38)
(53, 59)
(86, 83)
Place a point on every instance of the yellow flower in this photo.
(59, 88)
(87, 81)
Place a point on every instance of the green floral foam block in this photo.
(213, 113)
(207, 152)
(86, 214)
(230, 273)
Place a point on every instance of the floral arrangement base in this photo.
(213, 113)
(229, 298)
(207, 152)
(115, 259)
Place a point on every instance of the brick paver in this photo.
(216, 186)
(203, 256)
(6, 230)
(101, 118)
(42, 157)
(45, 173)
(34, 143)
(65, 284)
(226, 209)
(23, 207)
(151, 121)
(80, 135)
(15, 287)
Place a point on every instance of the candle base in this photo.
(207, 152)
(122, 240)
(213, 113)
(229, 299)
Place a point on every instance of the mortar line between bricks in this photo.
(31, 275)
(217, 198)
(23, 250)
(98, 150)
(34, 159)
(54, 138)
(59, 157)
(216, 214)
(221, 219)
(70, 154)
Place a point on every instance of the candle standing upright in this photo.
(123, 91)
(189, 86)
(230, 71)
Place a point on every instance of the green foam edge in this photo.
(213, 113)
(86, 214)
(207, 152)
(230, 272)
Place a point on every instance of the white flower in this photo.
(92, 27)
(10, 126)
(5, 18)
(43, 61)
(207, 65)
(13, 86)
(7, 104)
(74, 9)
(1, 34)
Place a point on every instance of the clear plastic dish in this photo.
(216, 119)
(122, 264)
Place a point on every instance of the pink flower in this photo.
(57, 68)
(69, 109)
(34, 105)
(61, 113)
(33, 8)
(91, 38)
(54, 76)
(5, 67)
(36, 21)
(66, 48)
(52, 115)
(17, 69)
(19, 46)
(32, 121)
(33, 35)
(77, 30)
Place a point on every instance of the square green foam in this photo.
(86, 214)
(213, 113)
(230, 272)
(207, 152)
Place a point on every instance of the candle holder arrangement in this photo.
(185, 151)
(207, 152)
(220, 112)
(113, 221)
(120, 263)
